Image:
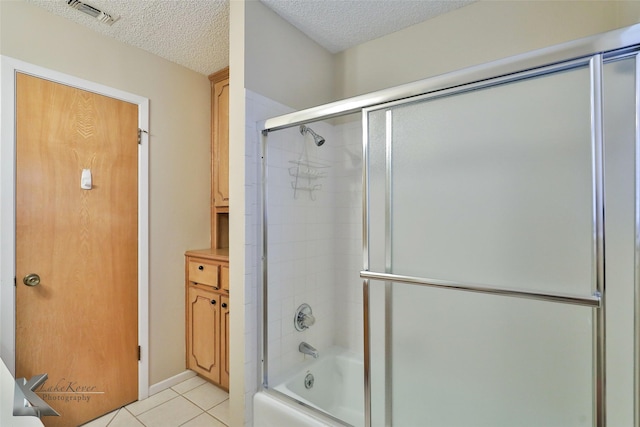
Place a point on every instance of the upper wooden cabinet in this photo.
(220, 138)
(220, 159)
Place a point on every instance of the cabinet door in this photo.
(203, 336)
(224, 342)
(220, 173)
(224, 277)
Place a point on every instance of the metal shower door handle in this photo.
(31, 279)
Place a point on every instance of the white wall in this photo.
(282, 63)
(474, 34)
(240, 303)
(268, 57)
(179, 143)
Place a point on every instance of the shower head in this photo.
(316, 138)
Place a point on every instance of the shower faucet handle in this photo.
(304, 317)
(308, 320)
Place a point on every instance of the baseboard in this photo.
(170, 382)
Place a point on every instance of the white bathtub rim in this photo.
(307, 409)
(278, 387)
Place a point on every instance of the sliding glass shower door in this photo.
(484, 249)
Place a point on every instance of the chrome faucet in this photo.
(304, 317)
(307, 349)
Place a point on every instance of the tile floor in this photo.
(192, 403)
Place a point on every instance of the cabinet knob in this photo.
(224, 305)
(213, 302)
(201, 267)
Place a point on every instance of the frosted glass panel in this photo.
(377, 197)
(462, 359)
(494, 186)
(619, 133)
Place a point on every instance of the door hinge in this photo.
(139, 353)
(15, 282)
(140, 135)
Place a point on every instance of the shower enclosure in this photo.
(471, 239)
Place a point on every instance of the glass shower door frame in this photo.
(608, 46)
(596, 301)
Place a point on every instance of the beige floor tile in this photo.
(221, 412)
(124, 418)
(206, 396)
(141, 406)
(204, 420)
(170, 414)
(102, 421)
(189, 384)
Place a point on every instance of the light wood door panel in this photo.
(224, 342)
(203, 324)
(80, 324)
(221, 143)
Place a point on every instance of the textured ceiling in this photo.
(192, 33)
(195, 33)
(340, 24)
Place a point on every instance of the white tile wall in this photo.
(348, 235)
(258, 109)
(314, 242)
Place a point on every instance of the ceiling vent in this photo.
(101, 16)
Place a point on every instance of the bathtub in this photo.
(336, 387)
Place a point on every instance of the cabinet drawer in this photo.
(203, 273)
(224, 277)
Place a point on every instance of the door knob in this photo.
(31, 279)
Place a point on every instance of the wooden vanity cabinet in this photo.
(207, 270)
(207, 314)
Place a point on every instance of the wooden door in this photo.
(79, 325)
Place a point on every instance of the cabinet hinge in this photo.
(139, 353)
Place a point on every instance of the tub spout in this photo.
(308, 349)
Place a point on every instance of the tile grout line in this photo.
(214, 416)
(117, 411)
(178, 394)
(153, 407)
(188, 421)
